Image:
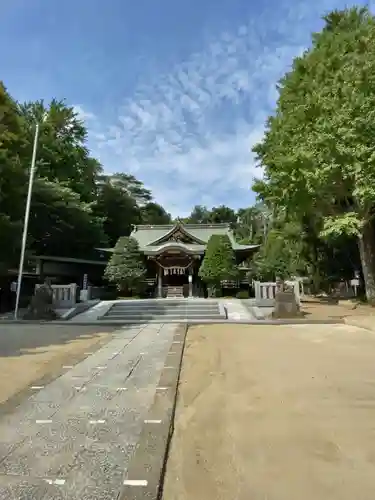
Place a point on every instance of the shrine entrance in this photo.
(175, 273)
(175, 276)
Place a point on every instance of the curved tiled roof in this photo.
(150, 237)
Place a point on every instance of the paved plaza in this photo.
(73, 438)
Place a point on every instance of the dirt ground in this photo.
(275, 413)
(314, 308)
(36, 354)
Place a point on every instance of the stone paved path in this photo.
(237, 311)
(73, 439)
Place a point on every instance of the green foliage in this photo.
(318, 151)
(347, 223)
(217, 215)
(252, 224)
(219, 261)
(199, 215)
(12, 178)
(62, 152)
(117, 208)
(58, 214)
(126, 268)
(153, 213)
(281, 255)
(75, 207)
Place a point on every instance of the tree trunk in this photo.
(367, 253)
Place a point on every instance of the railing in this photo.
(64, 296)
(265, 293)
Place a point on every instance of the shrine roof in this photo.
(153, 238)
(149, 236)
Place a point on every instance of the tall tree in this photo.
(219, 262)
(61, 223)
(223, 214)
(253, 224)
(318, 150)
(62, 152)
(126, 267)
(117, 208)
(134, 188)
(12, 178)
(281, 255)
(153, 213)
(199, 215)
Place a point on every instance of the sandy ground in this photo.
(275, 413)
(31, 353)
(320, 309)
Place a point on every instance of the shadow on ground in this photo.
(19, 339)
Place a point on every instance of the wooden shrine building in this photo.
(174, 254)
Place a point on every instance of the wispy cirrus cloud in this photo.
(83, 115)
(188, 133)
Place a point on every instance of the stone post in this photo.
(160, 283)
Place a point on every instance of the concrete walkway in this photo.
(94, 312)
(237, 311)
(74, 438)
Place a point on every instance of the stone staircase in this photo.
(164, 311)
(175, 292)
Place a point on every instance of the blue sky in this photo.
(174, 91)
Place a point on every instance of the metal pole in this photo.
(26, 221)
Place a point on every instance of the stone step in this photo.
(192, 307)
(175, 291)
(142, 318)
(185, 300)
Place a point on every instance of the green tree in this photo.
(61, 223)
(318, 151)
(153, 213)
(126, 267)
(12, 178)
(62, 152)
(223, 214)
(217, 215)
(252, 224)
(219, 262)
(127, 183)
(74, 206)
(199, 215)
(117, 208)
(281, 255)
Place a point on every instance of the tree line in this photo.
(316, 200)
(318, 155)
(76, 206)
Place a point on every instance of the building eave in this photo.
(175, 245)
(68, 260)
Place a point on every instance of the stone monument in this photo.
(286, 305)
(40, 307)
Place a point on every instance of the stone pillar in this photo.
(190, 277)
(160, 283)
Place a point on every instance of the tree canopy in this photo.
(219, 262)
(318, 151)
(126, 267)
(75, 205)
